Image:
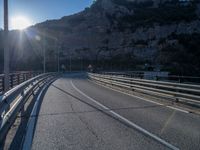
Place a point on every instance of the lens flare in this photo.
(20, 23)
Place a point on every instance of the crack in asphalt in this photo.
(85, 123)
(85, 112)
(91, 105)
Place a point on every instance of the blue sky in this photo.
(40, 10)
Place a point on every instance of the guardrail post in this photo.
(1, 118)
(22, 112)
(18, 79)
(3, 85)
(180, 80)
(24, 78)
(176, 100)
(11, 80)
(156, 78)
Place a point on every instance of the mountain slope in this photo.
(127, 34)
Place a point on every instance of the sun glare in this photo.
(20, 23)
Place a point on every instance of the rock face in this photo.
(116, 28)
(129, 32)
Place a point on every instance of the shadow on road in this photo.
(23, 119)
(98, 109)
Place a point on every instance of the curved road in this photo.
(78, 114)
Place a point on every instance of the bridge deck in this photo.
(69, 118)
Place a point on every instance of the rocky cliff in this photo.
(127, 34)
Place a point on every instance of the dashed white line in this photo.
(158, 139)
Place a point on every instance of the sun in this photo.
(20, 23)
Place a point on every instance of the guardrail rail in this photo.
(13, 100)
(177, 92)
(156, 76)
(16, 79)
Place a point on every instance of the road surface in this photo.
(78, 114)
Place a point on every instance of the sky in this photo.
(37, 11)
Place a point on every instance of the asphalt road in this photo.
(75, 114)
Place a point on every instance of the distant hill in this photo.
(123, 34)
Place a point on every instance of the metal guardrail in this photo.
(177, 92)
(16, 79)
(169, 78)
(13, 101)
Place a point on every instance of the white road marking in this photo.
(171, 107)
(127, 121)
(178, 109)
(27, 144)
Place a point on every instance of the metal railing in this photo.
(13, 101)
(169, 78)
(177, 92)
(16, 79)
